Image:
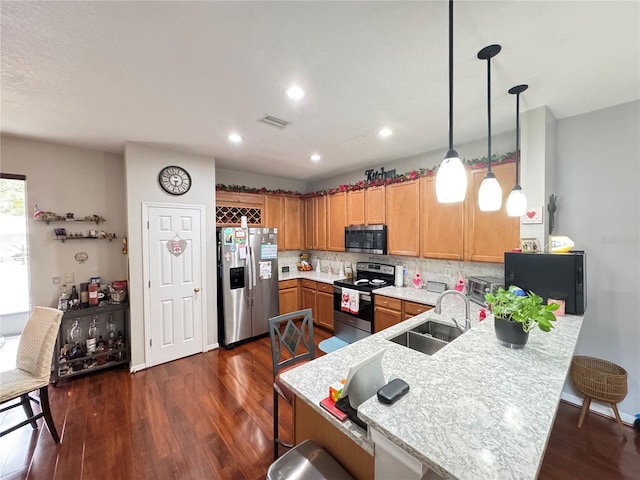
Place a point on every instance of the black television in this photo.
(550, 275)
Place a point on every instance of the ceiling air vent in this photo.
(274, 121)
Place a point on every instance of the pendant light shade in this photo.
(517, 201)
(490, 194)
(451, 177)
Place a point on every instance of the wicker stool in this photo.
(599, 380)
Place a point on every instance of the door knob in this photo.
(196, 289)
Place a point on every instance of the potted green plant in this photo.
(517, 313)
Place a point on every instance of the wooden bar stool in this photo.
(599, 380)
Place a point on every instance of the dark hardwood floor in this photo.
(209, 416)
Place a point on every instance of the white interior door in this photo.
(174, 328)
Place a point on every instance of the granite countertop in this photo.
(475, 410)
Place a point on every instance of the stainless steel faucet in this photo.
(467, 305)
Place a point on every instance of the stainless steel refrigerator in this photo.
(247, 282)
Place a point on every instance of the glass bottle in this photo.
(111, 328)
(101, 348)
(93, 328)
(63, 301)
(75, 332)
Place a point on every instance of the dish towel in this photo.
(350, 300)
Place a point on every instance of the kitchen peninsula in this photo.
(475, 409)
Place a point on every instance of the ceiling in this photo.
(183, 75)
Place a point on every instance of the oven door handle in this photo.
(365, 296)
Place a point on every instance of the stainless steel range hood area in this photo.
(366, 239)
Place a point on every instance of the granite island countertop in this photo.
(475, 409)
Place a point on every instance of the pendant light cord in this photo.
(489, 109)
(450, 74)
(518, 139)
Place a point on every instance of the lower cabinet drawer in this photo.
(308, 283)
(412, 309)
(388, 302)
(324, 287)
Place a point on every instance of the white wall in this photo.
(65, 179)
(231, 177)
(500, 145)
(142, 165)
(598, 179)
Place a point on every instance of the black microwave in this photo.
(550, 275)
(366, 239)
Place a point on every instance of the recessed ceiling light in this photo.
(295, 93)
(385, 132)
(315, 157)
(235, 138)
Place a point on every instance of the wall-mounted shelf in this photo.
(63, 239)
(49, 217)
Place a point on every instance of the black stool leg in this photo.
(46, 411)
(26, 405)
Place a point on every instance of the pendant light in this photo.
(490, 194)
(451, 177)
(517, 201)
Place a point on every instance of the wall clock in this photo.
(174, 180)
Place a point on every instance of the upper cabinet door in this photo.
(375, 206)
(309, 223)
(320, 221)
(403, 218)
(356, 207)
(293, 224)
(490, 234)
(336, 221)
(442, 224)
(274, 217)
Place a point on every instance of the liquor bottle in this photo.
(73, 298)
(63, 301)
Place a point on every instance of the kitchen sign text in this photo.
(375, 175)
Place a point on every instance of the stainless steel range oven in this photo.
(351, 325)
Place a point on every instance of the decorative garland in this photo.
(412, 175)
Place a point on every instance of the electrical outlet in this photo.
(447, 272)
(55, 280)
(68, 278)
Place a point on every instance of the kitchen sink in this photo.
(428, 337)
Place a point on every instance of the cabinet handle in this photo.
(196, 289)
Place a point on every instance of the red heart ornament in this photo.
(531, 214)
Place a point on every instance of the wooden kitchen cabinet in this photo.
(387, 312)
(336, 221)
(285, 214)
(366, 206)
(315, 223)
(274, 216)
(441, 224)
(356, 207)
(289, 296)
(403, 218)
(309, 223)
(411, 309)
(308, 296)
(318, 296)
(324, 303)
(293, 224)
(375, 207)
(490, 234)
(232, 206)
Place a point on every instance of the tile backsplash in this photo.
(445, 271)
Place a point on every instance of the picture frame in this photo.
(60, 232)
(530, 245)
